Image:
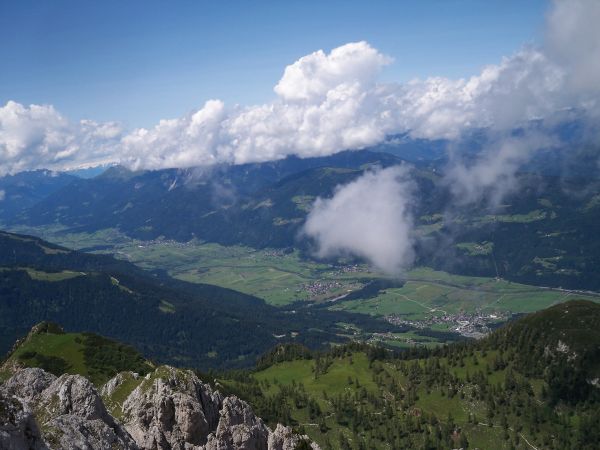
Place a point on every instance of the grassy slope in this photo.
(356, 367)
(92, 356)
(575, 323)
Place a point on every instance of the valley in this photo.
(437, 306)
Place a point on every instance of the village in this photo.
(471, 325)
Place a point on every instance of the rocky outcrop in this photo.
(75, 416)
(111, 386)
(169, 409)
(29, 383)
(238, 428)
(18, 428)
(284, 439)
(68, 410)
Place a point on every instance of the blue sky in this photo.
(138, 62)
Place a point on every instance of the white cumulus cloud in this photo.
(573, 40)
(332, 101)
(369, 218)
(38, 136)
(312, 77)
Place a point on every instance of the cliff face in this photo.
(169, 409)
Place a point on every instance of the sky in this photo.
(151, 86)
(137, 62)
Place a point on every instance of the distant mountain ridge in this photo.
(543, 233)
(25, 189)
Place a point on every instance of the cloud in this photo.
(328, 102)
(193, 140)
(520, 88)
(2, 194)
(572, 39)
(492, 174)
(38, 136)
(312, 77)
(369, 218)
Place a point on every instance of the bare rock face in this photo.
(117, 381)
(18, 428)
(171, 409)
(68, 410)
(238, 428)
(77, 416)
(283, 438)
(29, 384)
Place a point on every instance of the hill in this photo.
(495, 393)
(169, 320)
(97, 358)
(168, 408)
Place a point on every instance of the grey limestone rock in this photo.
(169, 409)
(68, 410)
(18, 428)
(239, 428)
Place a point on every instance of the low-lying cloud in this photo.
(492, 174)
(369, 218)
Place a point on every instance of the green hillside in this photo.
(496, 393)
(47, 346)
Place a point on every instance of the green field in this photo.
(429, 293)
(68, 347)
(282, 278)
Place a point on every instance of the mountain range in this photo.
(543, 231)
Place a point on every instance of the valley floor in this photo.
(439, 306)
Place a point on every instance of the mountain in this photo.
(23, 190)
(531, 384)
(543, 232)
(182, 204)
(170, 320)
(159, 408)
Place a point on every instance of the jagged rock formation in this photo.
(68, 410)
(238, 428)
(284, 439)
(18, 428)
(169, 409)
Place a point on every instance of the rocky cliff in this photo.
(169, 409)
